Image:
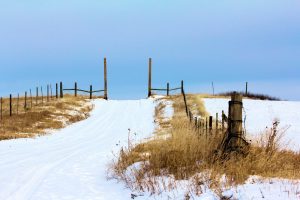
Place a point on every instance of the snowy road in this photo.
(71, 163)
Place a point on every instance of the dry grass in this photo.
(39, 118)
(189, 152)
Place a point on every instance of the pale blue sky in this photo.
(228, 42)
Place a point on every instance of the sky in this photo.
(227, 42)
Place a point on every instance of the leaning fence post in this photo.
(105, 79)
(61, 90)
(185, 103)
(182, 89)
(149, 77)
(168, 89)
(91, 91)
(75, 89)
(10, 105)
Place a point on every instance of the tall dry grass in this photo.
(189, 152)
(36, 120)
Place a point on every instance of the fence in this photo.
(167, 89)
(29, 101)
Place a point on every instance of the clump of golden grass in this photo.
(36, 119)
(188, 153)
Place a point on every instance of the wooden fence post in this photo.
(37, 96)
(246, 93)
(149, 77)
(42, 95)
(10, 105)
(47, 93)
(56, 90)
(91, 92)
(61, 90)
(234, 140)
(25, 101)
(210, 123)
(168, 89)
(182, 89)
(196, 122)
(217, 122)
(185, 103)
(75, 89)
(223, 120)
(235, 119)
(105, 79)
(191, 116)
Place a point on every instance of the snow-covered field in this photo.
(71, 163)
(260, 114)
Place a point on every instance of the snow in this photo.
(71, 163)
(260, 114)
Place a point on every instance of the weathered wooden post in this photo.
(56, 90)
(168, 89)
(75, 89)
(196, 122)
(223, 120)
(105, 80)
(47, 93)
(206, 124)
(25, 101)
(149, 77)
(91, 92)
(185, 103)
(61, 90)
(217, 122)
(246, 93)
(10, 105)
(42, 94)
(234, 140)
(191, 116)
(210, 123)
(182, 89)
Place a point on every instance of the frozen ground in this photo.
(260, 114)
(71, 163)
